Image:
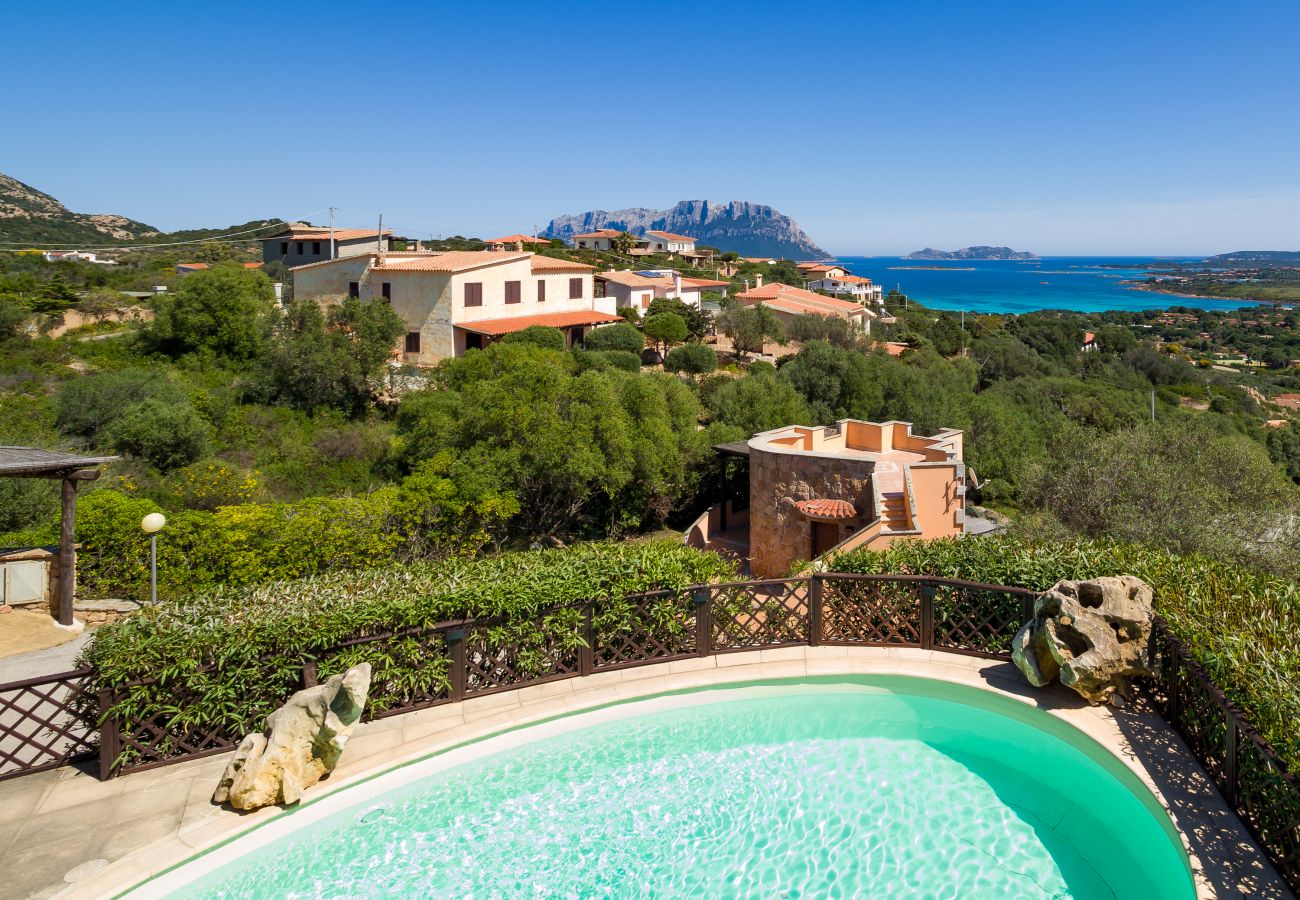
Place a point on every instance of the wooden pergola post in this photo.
(67, 549)
(68, 541)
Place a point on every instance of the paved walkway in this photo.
(64, 833)
(46, 661)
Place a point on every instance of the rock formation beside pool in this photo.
(1092, 635)
(302, 743)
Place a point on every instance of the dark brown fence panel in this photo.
(409, 670)
(39, 726)
(652, 627)
(978, 619)
(1248, 771)
(757, 614)
(871, 610)
(501, 656)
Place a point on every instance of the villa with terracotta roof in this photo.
(788, 302)
(863, 290)
(637, 289)
(602, 239)
(300, 244)
(514, 241)
(816, 270)
(854, 484)
(459, 300)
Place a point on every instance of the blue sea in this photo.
(1076, 283)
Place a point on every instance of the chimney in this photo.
(758, 281)
(677, 283)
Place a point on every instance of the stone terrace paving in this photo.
(63, 833)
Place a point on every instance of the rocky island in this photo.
(972, 253)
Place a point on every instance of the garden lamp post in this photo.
(151, 525)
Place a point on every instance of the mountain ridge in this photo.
(29, 215)
(750, 229)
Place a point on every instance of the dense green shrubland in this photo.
(1242, 626)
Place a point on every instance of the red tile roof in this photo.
(827, 509)
(517, 239)
(893, 348)
(550, 320)
(603, 233)
(798, 301)
(1290, 401)
(451, 261)
(551, 264)
(669, 236)
(197, 266)
(704, 283)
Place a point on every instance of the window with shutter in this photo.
(284, 248)
(300, 248)
(513, 293)
(354, 289)
(575, 288)
(473, 293)
(413, 342)
(541, 290)
(386, 289)
(315, 248)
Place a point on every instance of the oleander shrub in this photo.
(1241, 625)
(226, 657)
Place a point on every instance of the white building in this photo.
(861, 289)
(460, 300)
(637, 289)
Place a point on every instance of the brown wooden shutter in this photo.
(541, 290)
(413, 342)
(474, 293)
(575, 288)
(513, 292)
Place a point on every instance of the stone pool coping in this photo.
(159, 818)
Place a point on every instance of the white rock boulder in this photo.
(302, 743)
(1091, 635)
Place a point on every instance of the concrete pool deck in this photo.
(66, 834)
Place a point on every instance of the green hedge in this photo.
(259, 636)
(1243, 627)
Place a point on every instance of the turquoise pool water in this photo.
(882, 787)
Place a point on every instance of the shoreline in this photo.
(1246, 301)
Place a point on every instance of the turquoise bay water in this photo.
(1077, 283)
(889, 787)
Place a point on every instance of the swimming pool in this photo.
(846, 786)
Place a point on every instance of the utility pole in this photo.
(332, 232)
(1153, 406)
(379, 238)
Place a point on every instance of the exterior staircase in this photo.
(893, 512)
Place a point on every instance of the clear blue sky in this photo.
(1100, 127)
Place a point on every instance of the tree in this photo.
(697, 321)
(84, 407)
(836, 383)
(220, 310)
(315, 359)
(168, 436)
(813, 327)
(583, 451)
(620, 336)
(695, 359)
(623, 242)
(538, 336)
(755, 403)
(749, 327)
(1180, 483)
(665, 328)
(12, 316)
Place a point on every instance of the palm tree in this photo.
(623, 242)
